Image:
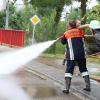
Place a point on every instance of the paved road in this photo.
(57, 75)
(35, 86)
(50, 79)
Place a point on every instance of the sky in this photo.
(19, 4)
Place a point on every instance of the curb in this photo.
(97, 78)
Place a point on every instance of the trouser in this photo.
(71, 64)
(69, 72)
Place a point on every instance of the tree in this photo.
(48, 6)
(94, 13)
(74, 14)
(83, 9)
(98, 1)
(44, 29)
(2, 19)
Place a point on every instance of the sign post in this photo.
(35, 20)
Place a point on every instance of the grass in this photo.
(96, 74)
(53, 56)
(93, 59)
(61, 56)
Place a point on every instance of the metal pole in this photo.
(33, 35)
(7, 14)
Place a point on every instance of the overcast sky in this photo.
(19, 4)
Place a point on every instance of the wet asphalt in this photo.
(37, 87)
(45, 81)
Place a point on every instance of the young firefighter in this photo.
(78, 25)
(75, 53)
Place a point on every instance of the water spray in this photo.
(11, 61)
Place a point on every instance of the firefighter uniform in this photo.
(74, 38)
(75, 51)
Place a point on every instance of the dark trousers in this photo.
(71, 64)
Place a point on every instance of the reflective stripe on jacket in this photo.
(75, 40)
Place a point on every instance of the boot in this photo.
(64, 62)
(67, 83)
(87, 81)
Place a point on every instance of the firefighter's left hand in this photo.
(59, 38)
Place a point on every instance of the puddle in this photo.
(95, 82)
(44, 92)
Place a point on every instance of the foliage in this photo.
(20, 19)
(94, 13)
(2, 19)
(74, 14)
(48, 5)
(49, 11)
(44, 29)
(98, 1)
(61, 28)
(52, 56)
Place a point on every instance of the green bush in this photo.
(60, 49)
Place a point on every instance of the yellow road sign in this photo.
(35, 19)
